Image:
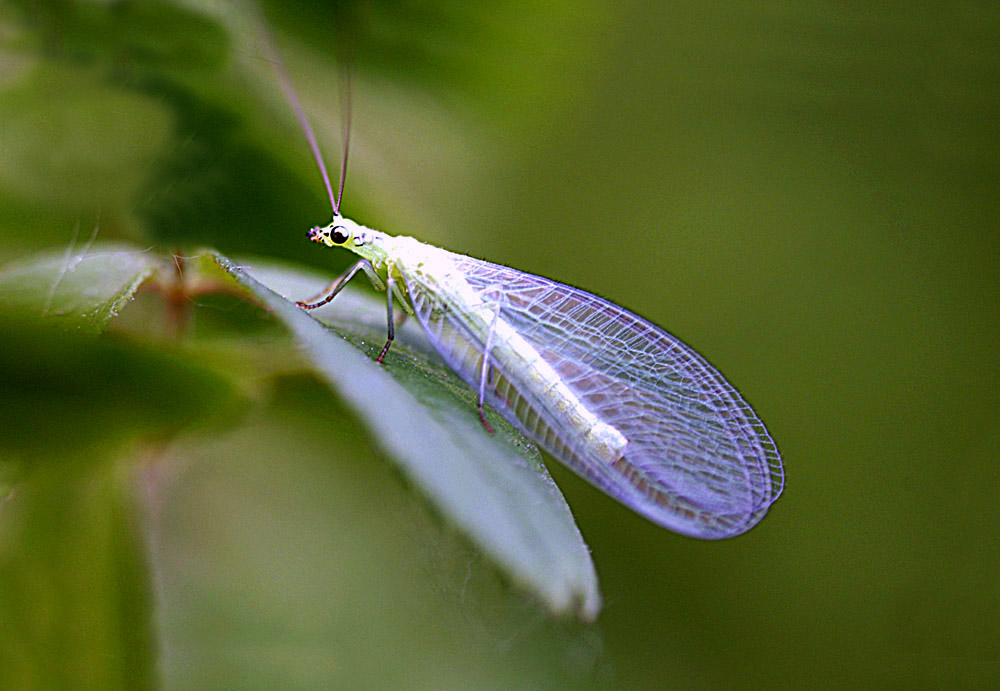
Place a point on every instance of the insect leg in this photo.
(487, 369)
(390, 288)
(330, 292)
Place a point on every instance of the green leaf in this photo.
(494, 488)
(77, 414)
(80, 291)
(64, 393)
(76, 607)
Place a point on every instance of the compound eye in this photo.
(339, 235)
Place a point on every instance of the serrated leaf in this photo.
(493, 488)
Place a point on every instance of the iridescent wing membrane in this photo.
(693, 456)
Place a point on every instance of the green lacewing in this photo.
(626, 405)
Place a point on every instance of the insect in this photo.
(623, 403)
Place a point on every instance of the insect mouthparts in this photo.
(313, 234)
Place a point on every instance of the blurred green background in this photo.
(809, 193)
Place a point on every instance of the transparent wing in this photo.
(698, 460)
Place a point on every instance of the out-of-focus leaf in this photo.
(493, 487)
(79, 291)
(75, 599)
(62, 393)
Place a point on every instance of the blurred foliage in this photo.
(807, 192)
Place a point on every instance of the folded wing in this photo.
(698, 460)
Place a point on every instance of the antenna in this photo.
(345, 125)
(289, 90)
